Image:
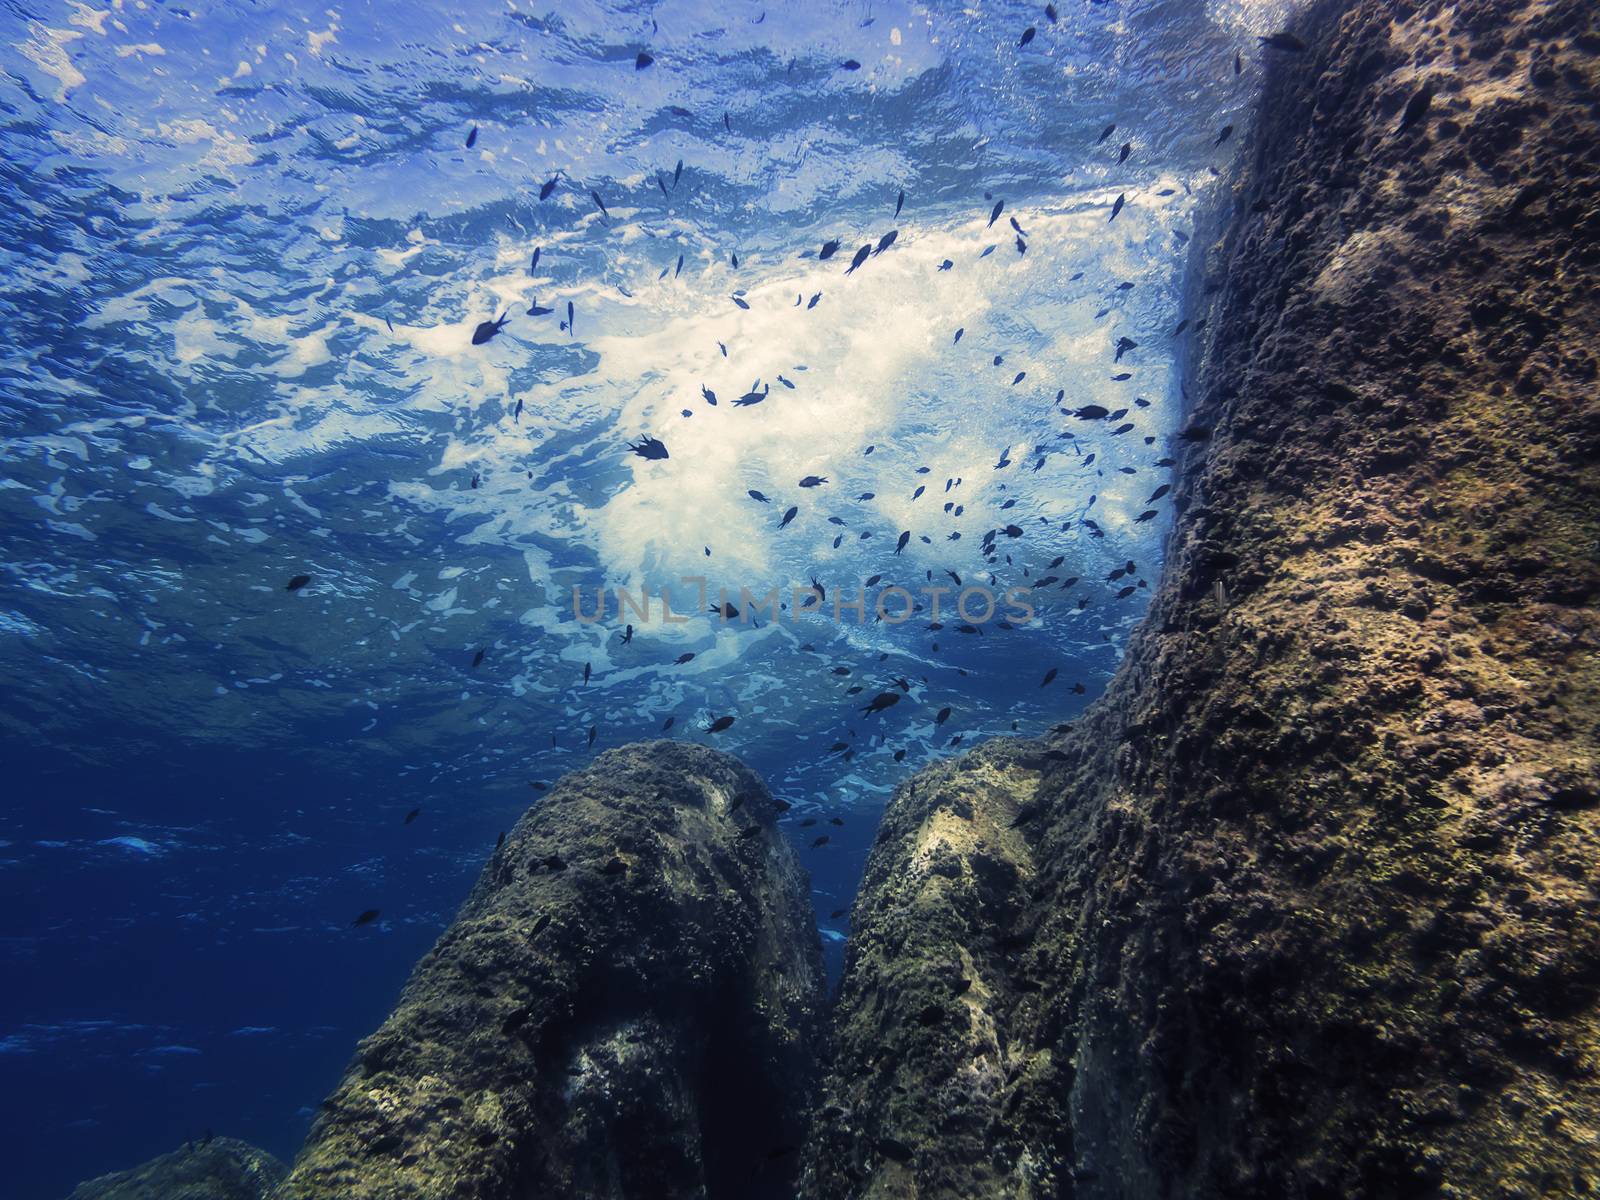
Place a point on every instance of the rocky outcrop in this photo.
(626, 1006)
(215, 1169)
(1306, 906)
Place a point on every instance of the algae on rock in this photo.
(627, 1005)
(1309, 907)
(214, 1169)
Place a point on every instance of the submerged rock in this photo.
(215, 1169)
(1307, 905)
(627, 1005)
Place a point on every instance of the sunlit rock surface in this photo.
(214, 1169)
(1308, 905)
(625, 1006)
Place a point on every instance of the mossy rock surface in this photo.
(626, 1005)
(1309, 904)
(216, 1169)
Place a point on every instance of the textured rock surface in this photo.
(1309, 905)
(626, 1006)
(216, 1169)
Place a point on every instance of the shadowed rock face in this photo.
(626, 1006)
(216, 1169)
(1307, 905)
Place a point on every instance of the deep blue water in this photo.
(245, 248)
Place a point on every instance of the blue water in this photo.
(245, 250)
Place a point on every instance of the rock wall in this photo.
(626, 1006)
(213, 1169)
(1306, 906)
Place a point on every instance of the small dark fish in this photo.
(296, 583)
(570, 323)
(600, 204)
(1025, 814)
(1159, 492)
(1124, 344)
(720, 724)
(1105, 133)
(829, 249)
(861, 257)
(959, 332)
(1027, 36)
(821, 841)
(1227, 132)
(900, 203)
(668, 724)
(811, 481)
(678, 270)
(1022, 246)
(886, 241)
(1238, 64)
(1122, 155)
(643, 61)
(1416, 108)
(685, 657)
(1148, 514)
(751, 397)
(850, 64)
(1049, 678)
(740, 303)
(944, 715)
(893, 1148)
(412, 815)
(366, 918)
(677, 174)
(901, 544)
(946, 265)
(472, 137)
(710, 396)
(1283, 41)
(1050, 12)
(477, 659)
(789, 516)
(813, 302)
(755, 495)
(1117, 207)
(593, 729)
(651, 448)
(994, 213)
(881, 701)
(544, 192)
(488, 329)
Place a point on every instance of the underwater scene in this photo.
(707, 598)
